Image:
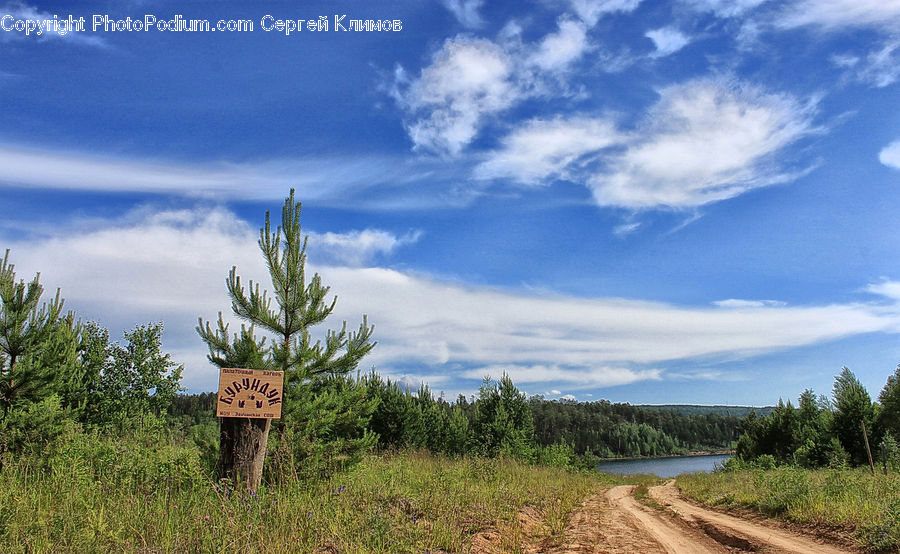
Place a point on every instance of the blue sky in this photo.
(690, 201)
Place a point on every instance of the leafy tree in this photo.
(139, 378)
(852, 405)
(314, 370)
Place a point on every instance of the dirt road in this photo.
(617, 522)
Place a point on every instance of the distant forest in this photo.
(698, 409)
(598, 429)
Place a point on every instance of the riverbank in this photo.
(721, 452)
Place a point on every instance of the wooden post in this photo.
(248, 401)
(868, 450)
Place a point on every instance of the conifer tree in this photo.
(24, 329)
(300, 303)
(852, 406)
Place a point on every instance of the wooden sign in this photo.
(250, 393)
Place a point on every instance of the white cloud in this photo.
(553, 392)
(668, 40)
(568, 397)
(887, 289)
(590, 11)
(325, 180)
(704, 141)
(468, 80)
(834, 14)
(560, 49)
(890, 155)
(466, 11)
(882, 67)
(879, 68)
(357, 248)
(171, 265)
(724, 8)
(543, 149)
(581, 378)
(626, 229)
(59, 31)
(738, 304)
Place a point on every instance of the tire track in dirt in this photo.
(615, 521)
(738, 532)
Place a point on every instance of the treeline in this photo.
(502, 421)
(697, 409)
(826, 432)
(57, 372)
(607, 430)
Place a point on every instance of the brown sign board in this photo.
(250, 393)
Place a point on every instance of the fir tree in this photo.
(300, 303)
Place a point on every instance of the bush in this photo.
(34, 428)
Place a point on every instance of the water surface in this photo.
(664, 467)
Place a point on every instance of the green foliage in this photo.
(503, 421)
(29, 339)
(819, 432)
(889, 416)
(328, 432)
(556, 455)
(852, 405)
(139, 377)
(608, 430)
(32, 429)
(325, 415)
(149, 492)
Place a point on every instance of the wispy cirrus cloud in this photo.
(738, 304)
(835, 14)
(325, 180)
(542, 149)
(597, 377)
(170, 265)
(724, 8)
(879, 68)
(590, 11)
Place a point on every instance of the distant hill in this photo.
(697, 409)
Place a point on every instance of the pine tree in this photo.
(24, 331)
(300, 303)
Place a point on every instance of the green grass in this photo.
(101, 494)
(852, 499)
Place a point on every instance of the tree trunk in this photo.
(242, 450)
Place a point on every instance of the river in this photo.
(664, 467)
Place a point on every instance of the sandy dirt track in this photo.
(616, 521)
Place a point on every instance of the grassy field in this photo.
(101, 494)
(851, 499)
